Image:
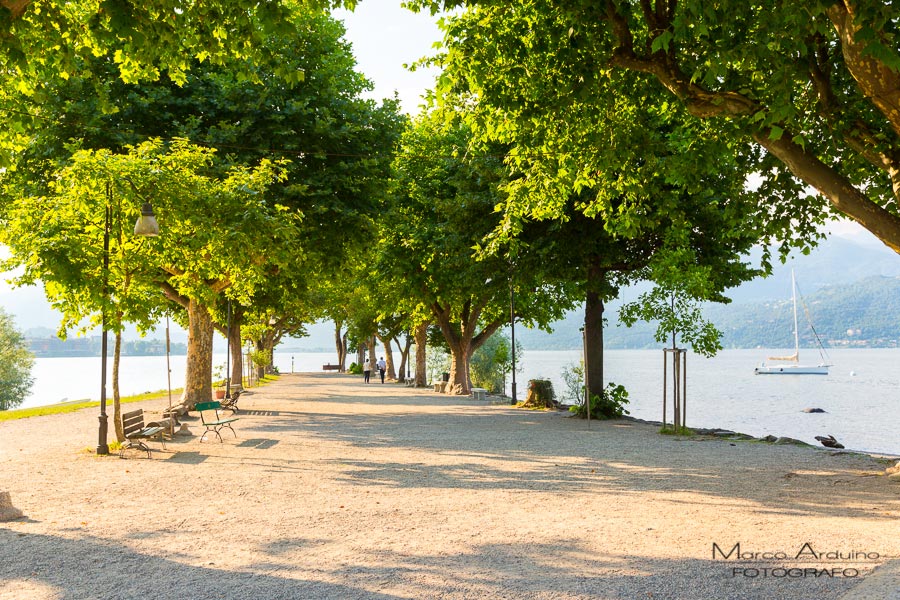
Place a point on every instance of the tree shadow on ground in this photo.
(525, 450)
(75, 569)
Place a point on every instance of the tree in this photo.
(815, 85)
(637, 189)
(444, 207)
(216, 235)
(15, 364)
(338, 144)
(492, 362)
(46, 41)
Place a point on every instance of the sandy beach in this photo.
(337, 489)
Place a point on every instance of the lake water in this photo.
(861, 394)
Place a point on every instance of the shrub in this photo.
(15, 364)
(573, 377)
(611, 405)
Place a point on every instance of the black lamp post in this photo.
(146, 226)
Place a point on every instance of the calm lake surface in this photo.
(861, 394)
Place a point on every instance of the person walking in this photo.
(382, 366)
(367, 370)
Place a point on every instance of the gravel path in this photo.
(336, 489)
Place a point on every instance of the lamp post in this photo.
(146, 226)
(512, 335)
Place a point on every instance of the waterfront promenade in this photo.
(336, 489)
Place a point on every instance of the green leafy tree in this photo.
(444, 208)
(339, 146)
(492, 363)
(631, 188)
(15, 364)
(43, 42)
(216, 234)
(814, 85)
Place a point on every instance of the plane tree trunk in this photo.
(462, 339)
(593, 332)
(198, 377)
(421, 342)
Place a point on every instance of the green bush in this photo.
(15, 364)
(611, 405)
(573, 377)
(492, 362)
(355, 369)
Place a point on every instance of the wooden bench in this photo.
(216, 424)
(231, 403)
(330, 367)
(136, 432)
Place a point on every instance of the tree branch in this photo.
(834, 186)
(878, 82)
(15, 7)
(172, 294)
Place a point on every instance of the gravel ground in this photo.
(337, 489)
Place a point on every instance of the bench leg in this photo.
(134, 444)
(214, 430)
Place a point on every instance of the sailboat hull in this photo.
(791, 370)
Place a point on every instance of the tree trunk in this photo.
(198, 376)
(461, 339)
(370, 342)
(390, 371)
(340, 344)
(237, 356)
(460, 351)
(260, 367)
(593, 333)
(117, 401)
(421, 341)
(404, 358)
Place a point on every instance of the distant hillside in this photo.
(861, 314)
(854, 276)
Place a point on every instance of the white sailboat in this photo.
(790, 365)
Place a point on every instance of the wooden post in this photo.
(665, 386)
(676, 394)
(684, 389)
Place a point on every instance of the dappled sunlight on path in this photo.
(337, 489)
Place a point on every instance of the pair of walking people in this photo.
(380, 365)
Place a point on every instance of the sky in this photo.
(385, 36)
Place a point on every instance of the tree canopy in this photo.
(816, 85)
(15, 364)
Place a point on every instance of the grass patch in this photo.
(671, 430)
(72, 406)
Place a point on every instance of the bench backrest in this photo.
(132, 421)
(201, 407)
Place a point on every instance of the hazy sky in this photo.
(385, 36)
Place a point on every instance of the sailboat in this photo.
(790, 365)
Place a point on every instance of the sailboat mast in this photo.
(796, 328)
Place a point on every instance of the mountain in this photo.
(847, 280)
(865, 313)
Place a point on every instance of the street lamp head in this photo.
(146, 225)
